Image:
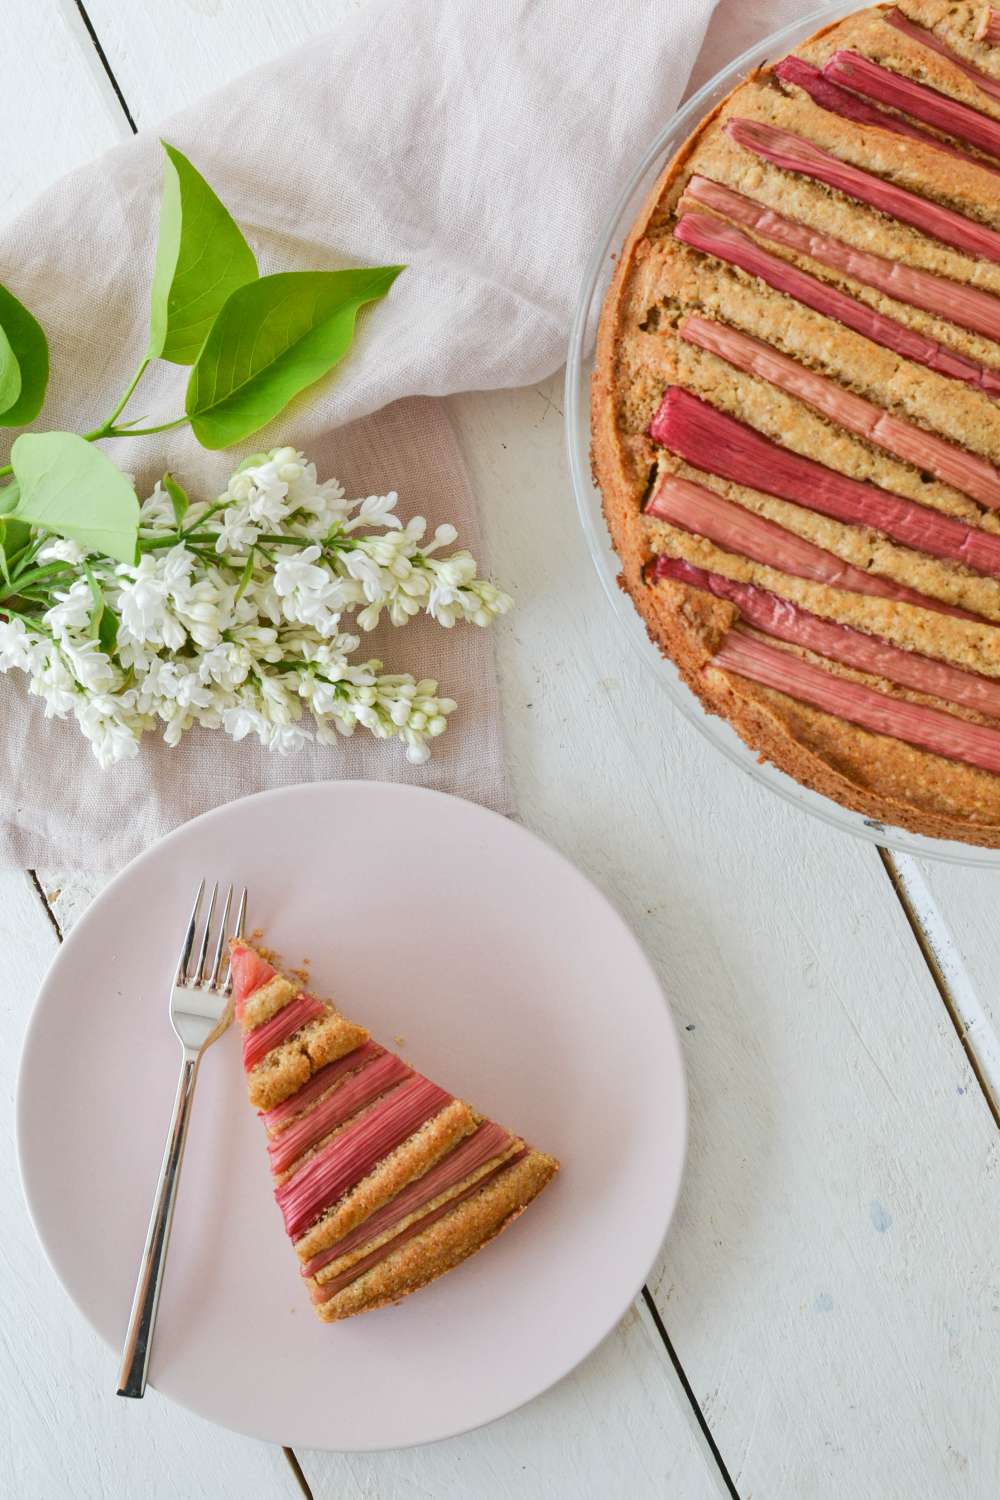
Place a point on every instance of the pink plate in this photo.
(510, 979)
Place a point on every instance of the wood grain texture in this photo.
(831, 1279)
(827, 1281)
(65, 1431)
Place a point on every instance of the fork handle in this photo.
(142, 1318)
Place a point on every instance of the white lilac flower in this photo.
(89, 665)
(54, 683)
(206, 634)
(156, 513)
(375, 510)
(61, 549)
(17, 647)
(112, 736)
(143, 598)
(73, 609)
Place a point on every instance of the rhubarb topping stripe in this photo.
(930, 40)
(988, 30)
(915, 99)
(967, 472)
(291, 1018)
(468, 1156)
(838, 101)
(788, 622)
(250, 971)
(953, 301)
(725, 242)
(795, 154)
(740, 531)
(356, 1151)
(280, 1116)
(337, 1108)
(330, 1288)
(720, 444)
(915, 723)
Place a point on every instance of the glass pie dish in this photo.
(578, 371)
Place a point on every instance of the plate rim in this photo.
(364, 786)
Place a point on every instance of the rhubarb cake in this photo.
(385, 1181)
(795, 421)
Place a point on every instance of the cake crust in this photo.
(442, 1247)
(639, 354)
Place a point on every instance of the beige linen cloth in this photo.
(482, 143)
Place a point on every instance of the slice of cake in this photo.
(385, 1181)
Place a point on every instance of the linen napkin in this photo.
(481, 144)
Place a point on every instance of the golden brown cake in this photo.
(795, 416)
(385, 1181)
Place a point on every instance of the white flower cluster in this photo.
(232, 617)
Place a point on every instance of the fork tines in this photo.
(203, 971)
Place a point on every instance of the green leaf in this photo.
(201, 258)
(107, 630)
(10, 374)
(74, 490)
(97, 594)
(178, 498)
(16, 535)
(104, 621)
(26, 341)
(245, 576)
(271, 340)
(252, 460)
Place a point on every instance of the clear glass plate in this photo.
(588, 499)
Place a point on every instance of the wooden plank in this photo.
(66, 1433)
(580, 1439)
(840, 1198)
(954, 913)
(630, 1378)
(54, 111)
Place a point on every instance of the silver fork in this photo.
(200, 1010)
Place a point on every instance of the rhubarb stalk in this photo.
(915, 723)
(951, 300)
(930, 40)
(249, 972)
(356, 1151)
(704, 513)
(290, 1019)
(337, 1108)
(967, 472)
(328, 1289)
(727, 243)
(869, 78)
(475, 1151)
(282, 1114)
(712, 440)
(840, 101)
(794, 154)
(788, 622)
(988, 28)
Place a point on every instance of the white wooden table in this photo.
(824, 1320)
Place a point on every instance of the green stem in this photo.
(212, 510)
(33, 620)
(109, 421)
(29, 554)
(154, 543)
(47, 570)
(137, 431)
